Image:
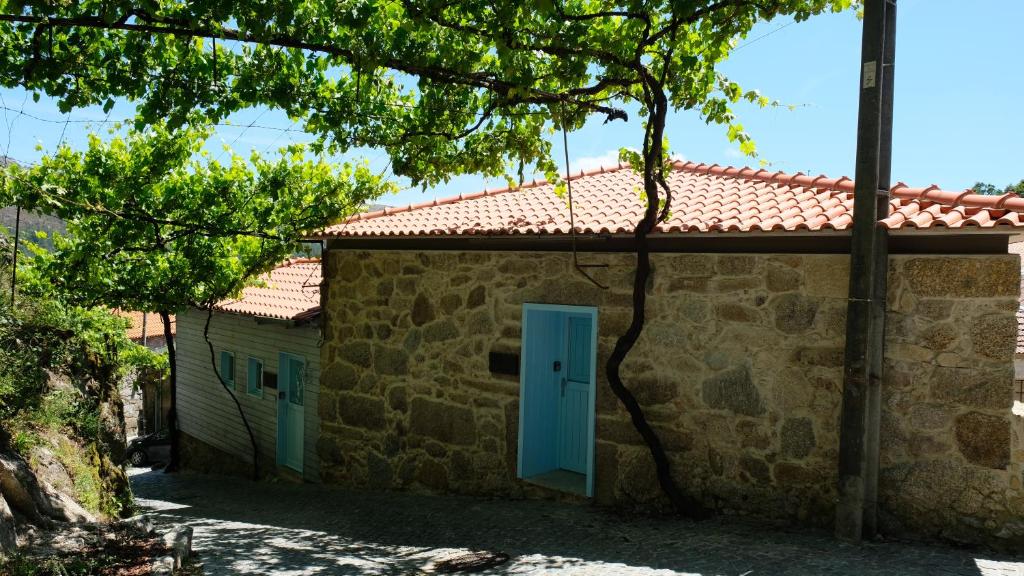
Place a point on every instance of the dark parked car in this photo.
(149, 449)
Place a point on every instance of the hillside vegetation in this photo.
(61, 421)
(31, 225)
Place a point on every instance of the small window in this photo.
(254, 377)
(227, 368)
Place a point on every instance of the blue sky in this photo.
(959, 116)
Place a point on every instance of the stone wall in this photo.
(739, 369)
(131, 400)
(198, 456)
(949, 467)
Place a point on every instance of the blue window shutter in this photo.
(227, 367)
(254, 376)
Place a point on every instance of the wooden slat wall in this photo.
(205, 409)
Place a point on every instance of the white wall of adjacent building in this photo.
(205, 409)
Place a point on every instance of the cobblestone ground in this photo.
(289, 530)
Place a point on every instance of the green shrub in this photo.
(67, 409)
(88, 484)
(25, 440)
(57, 362)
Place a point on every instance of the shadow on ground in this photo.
(285, 530)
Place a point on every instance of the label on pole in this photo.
(869, 77)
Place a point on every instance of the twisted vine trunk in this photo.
(172, 414)
(234, 397)
(653, 153)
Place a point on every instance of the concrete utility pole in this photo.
(856, 511)
(14, 256)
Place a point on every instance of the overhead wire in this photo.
(762, 37)
(276, 138)
(72, 120)
(10, 124)
(63, 131)
(240, 134)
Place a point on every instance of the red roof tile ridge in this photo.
(1003, 199)
(959, 199)
(728, 194)
(841, 184)
(933, 193)
(966, 198)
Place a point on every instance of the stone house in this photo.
(146, 400)
(463, 352)
(266, 345)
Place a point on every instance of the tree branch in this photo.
(437, 73)
(560, 9)
(513, 38)
(673, 26)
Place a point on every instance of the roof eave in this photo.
(1016, 232)
(485, 237)
(303, 317)
(960, 231)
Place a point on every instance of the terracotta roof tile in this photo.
(289, 292)
(706, 199)
(154, 327)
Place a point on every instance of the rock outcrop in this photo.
(34, 498)
(8, 535)
(27, 499)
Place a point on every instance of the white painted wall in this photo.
(205, 410)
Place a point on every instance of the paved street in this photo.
(289, 530)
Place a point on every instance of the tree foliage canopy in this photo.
(154, 225)
(445, 88)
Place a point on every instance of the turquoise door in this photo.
(291, 413)
(539, 402)
(556, 403)
(574, 404)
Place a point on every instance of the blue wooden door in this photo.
(291, 414)
(574, 404)
(543, 342)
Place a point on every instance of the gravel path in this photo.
(243, 527)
